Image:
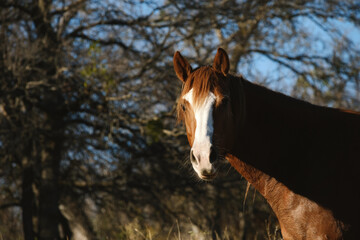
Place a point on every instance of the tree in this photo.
(46, 104)
(302, 41)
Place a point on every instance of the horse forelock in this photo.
(202, 81)
(205, 79)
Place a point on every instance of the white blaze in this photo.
(204, 129)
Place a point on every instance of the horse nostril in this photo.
(213, 155)
(192, 157)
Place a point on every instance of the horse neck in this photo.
(269, 121)
(255, 115)
(267, 186)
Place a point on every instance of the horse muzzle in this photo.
(203, 163)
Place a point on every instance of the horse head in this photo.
(206, 106)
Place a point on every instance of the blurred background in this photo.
(89, 144)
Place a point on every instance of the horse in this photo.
(302, 158)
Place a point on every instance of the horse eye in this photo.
(183, 107)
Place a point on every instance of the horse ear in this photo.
(181, 66)
(221, 61)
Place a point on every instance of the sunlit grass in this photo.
(133, 231)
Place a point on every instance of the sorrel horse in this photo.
(304, 159)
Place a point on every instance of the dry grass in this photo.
(133, 231)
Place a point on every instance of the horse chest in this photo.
(301, 218)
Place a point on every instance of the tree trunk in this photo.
(27, 201)
(49, 218)
(51, 141)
